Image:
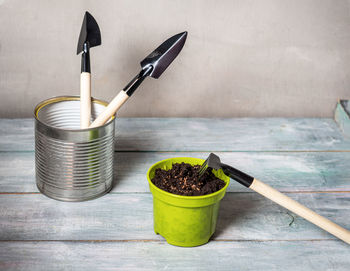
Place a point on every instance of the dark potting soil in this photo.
(183, 179)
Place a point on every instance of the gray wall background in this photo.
(242, 58)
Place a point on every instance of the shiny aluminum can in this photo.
(72, 164)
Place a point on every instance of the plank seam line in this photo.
(234, 151)
(164, 241)
(201, 151)
(240, 192)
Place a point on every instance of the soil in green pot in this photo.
(183, 179)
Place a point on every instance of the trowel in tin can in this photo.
(89, 37)
(153, 65)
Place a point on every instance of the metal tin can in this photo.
(72, 164)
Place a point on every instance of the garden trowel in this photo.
(153, 65)
(90, 36)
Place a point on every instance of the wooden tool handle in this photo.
(85, 99)
(300, 210)
(111, 109)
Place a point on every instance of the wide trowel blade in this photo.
(161, 57)
(90, 32)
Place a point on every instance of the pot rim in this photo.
(175, 196)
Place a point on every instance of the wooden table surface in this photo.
(309, 159)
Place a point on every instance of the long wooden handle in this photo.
(85, 99)
(111, 109)
(300, 210)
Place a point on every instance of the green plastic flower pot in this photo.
(185, 221)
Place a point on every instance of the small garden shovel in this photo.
(153, 65)
(213, 161)
(90, 36)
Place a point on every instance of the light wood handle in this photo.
(111, 109)
(300, 210)
(85, 99)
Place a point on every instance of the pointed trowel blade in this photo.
(90, 32)
(161, 57)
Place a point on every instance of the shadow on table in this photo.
(128, 164)
(236, 209)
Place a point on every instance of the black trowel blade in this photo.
(161, 57)
(90, 32)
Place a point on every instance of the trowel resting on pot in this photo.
(213, 161)
(153, 65)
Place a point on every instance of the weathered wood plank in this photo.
(243, 216)
(269, 256)
(196, 134)
(286, 171)
(16, 134)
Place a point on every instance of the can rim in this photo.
(56, 99)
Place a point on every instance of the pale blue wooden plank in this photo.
(243, 216)
(286, 171)
(195, 134)
(237, 134)
(264, 256)
(16, 134)
(17, 172)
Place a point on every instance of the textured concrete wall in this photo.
(242, 58)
